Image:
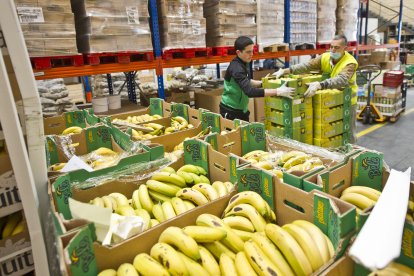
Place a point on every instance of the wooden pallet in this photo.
(229, 50)
(395, 117)
(186, 53)
(41, 63)
(118, 57)
(276, 48)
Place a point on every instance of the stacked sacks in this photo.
(54, 97)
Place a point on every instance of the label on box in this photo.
(62, 191)
(30, 15)
(256, 180)
(19, 264)
(75, 118)
(195, 153)
(210, 119)
(98, 137)
(179, 109)
(9, 194)
(367, 170)
(407, 246)
(52, 156)
(156, 106)
(132, 14)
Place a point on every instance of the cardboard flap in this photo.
(156, 106)
(219, 165)
(338, 179)
(367, 169)
(196, 153)
(180, 109)
(210, 119)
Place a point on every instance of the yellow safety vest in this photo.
(344, 61)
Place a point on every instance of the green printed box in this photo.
(298, 82)
(288, 119)
(331, 142)
(80, 118)
(295, 106)
(323, 131)
(296, 133)
(322, 116)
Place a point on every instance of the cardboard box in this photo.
(300, 133)
(410, 59)
(322, 116)
(57, 124)
(387, 92)
(323, 131)
(259, 110)
(332, 98)
(288, 119)
(391, 65)
(295, 106)
(364, 59)
(377, 57)
(10, 200)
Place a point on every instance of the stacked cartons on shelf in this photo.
(227, 20)
(182, 24)
(332, 119)
(303, 18)
(48, 27)
(326, 20)
(112, 26)
(270, 22)
(347, 18)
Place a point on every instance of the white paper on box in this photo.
(75, 163)
(132, 14)
(379, 241)
(30, 15)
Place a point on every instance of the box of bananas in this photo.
(9, 192)
(241, 238)
(98, 147)
(69, 122)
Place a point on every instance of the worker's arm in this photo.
(341, 80)
(312, 65)
(256, 83)
(246, 85)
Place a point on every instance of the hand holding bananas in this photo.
(313, 87)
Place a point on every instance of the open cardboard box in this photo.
(57, 124)
(217, 122)
(10, 200)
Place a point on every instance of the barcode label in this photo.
(30, 15)
(133, 15)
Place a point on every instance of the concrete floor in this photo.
(395, 140)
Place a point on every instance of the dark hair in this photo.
(242, 42)
(341, 37)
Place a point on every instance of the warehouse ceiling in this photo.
(390, 8)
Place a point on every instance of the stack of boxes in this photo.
(332, 117)
(388, 96)
(347, 18)
(181, 24)
(48, 27)
(326, 20)
(270, 22)
(227, 20)
(303, 19)
(112, 26)
(290, 118)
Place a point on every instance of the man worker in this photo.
(341, 67)
(239, 87)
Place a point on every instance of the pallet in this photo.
(223, 51)
(186, 53)
(396, 116)
(304, 46)
(119, 57)
(352, 43)
(41, 63)
(323, 45)
(276, 48)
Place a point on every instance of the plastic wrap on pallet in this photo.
(347, 18)
(270, 22)
(48, 30)
(326, 20)
(230, 7)
(181, 9)
(303, 21)
(98, 25)
(108, 43)
(62, 6)
(227, 41)
(38, 47)
(130, 8)
(230, 30)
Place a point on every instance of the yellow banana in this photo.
(125, 210)
(193, 267)
(271, 251)
(244, 235)
(19, 228)
(208, 262)
(243, 266)
(229, 186)
(318, 236)
(177, 237)
(178, 205)
(104, 151)
(307, 244)
(172, 178)
(290, 249)
(204, 179)
(278, 173)
(207, 190)
(196, 177)
(120, 198)
(169, 190)
(187, 177)
(107, 272)
(254, 154)
(57, 167)
(266, 165)
(249, 197)
(97, 201)
(110, 202)
(189, 169)
(169, 258)
(296, 168)
(331, 249)
(248, 211)
(205, 233)
(126, 269)
(217, 249)
(144, 198)
(72, 130)
(147, 266)
(189, 205)
(295, 161)
(365, 191)
(153, 222)
(291, 154)
(168, 170)
(168, 210)
(220, 187)
(358, 200)
(158, 197)
(158, 213)
(312, 163)
(192, 195)
(227, 266)
(259, 261)
(145, 217)
(239, 223)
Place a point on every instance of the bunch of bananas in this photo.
(244, 242)
(138, 119)
(365, 197)
(167, 194)
(393, 269)
(262, 159)
(72, 130)
(299, 161)
(177, 124)
(11, 225)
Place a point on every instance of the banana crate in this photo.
(332, 97)
(327, 115)
(327, 130)
(296, 133)
(98, 147)
(334, 141)
(294, 107)
(295, 81)
(69, 122)
(9, 192)
(288, 119)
